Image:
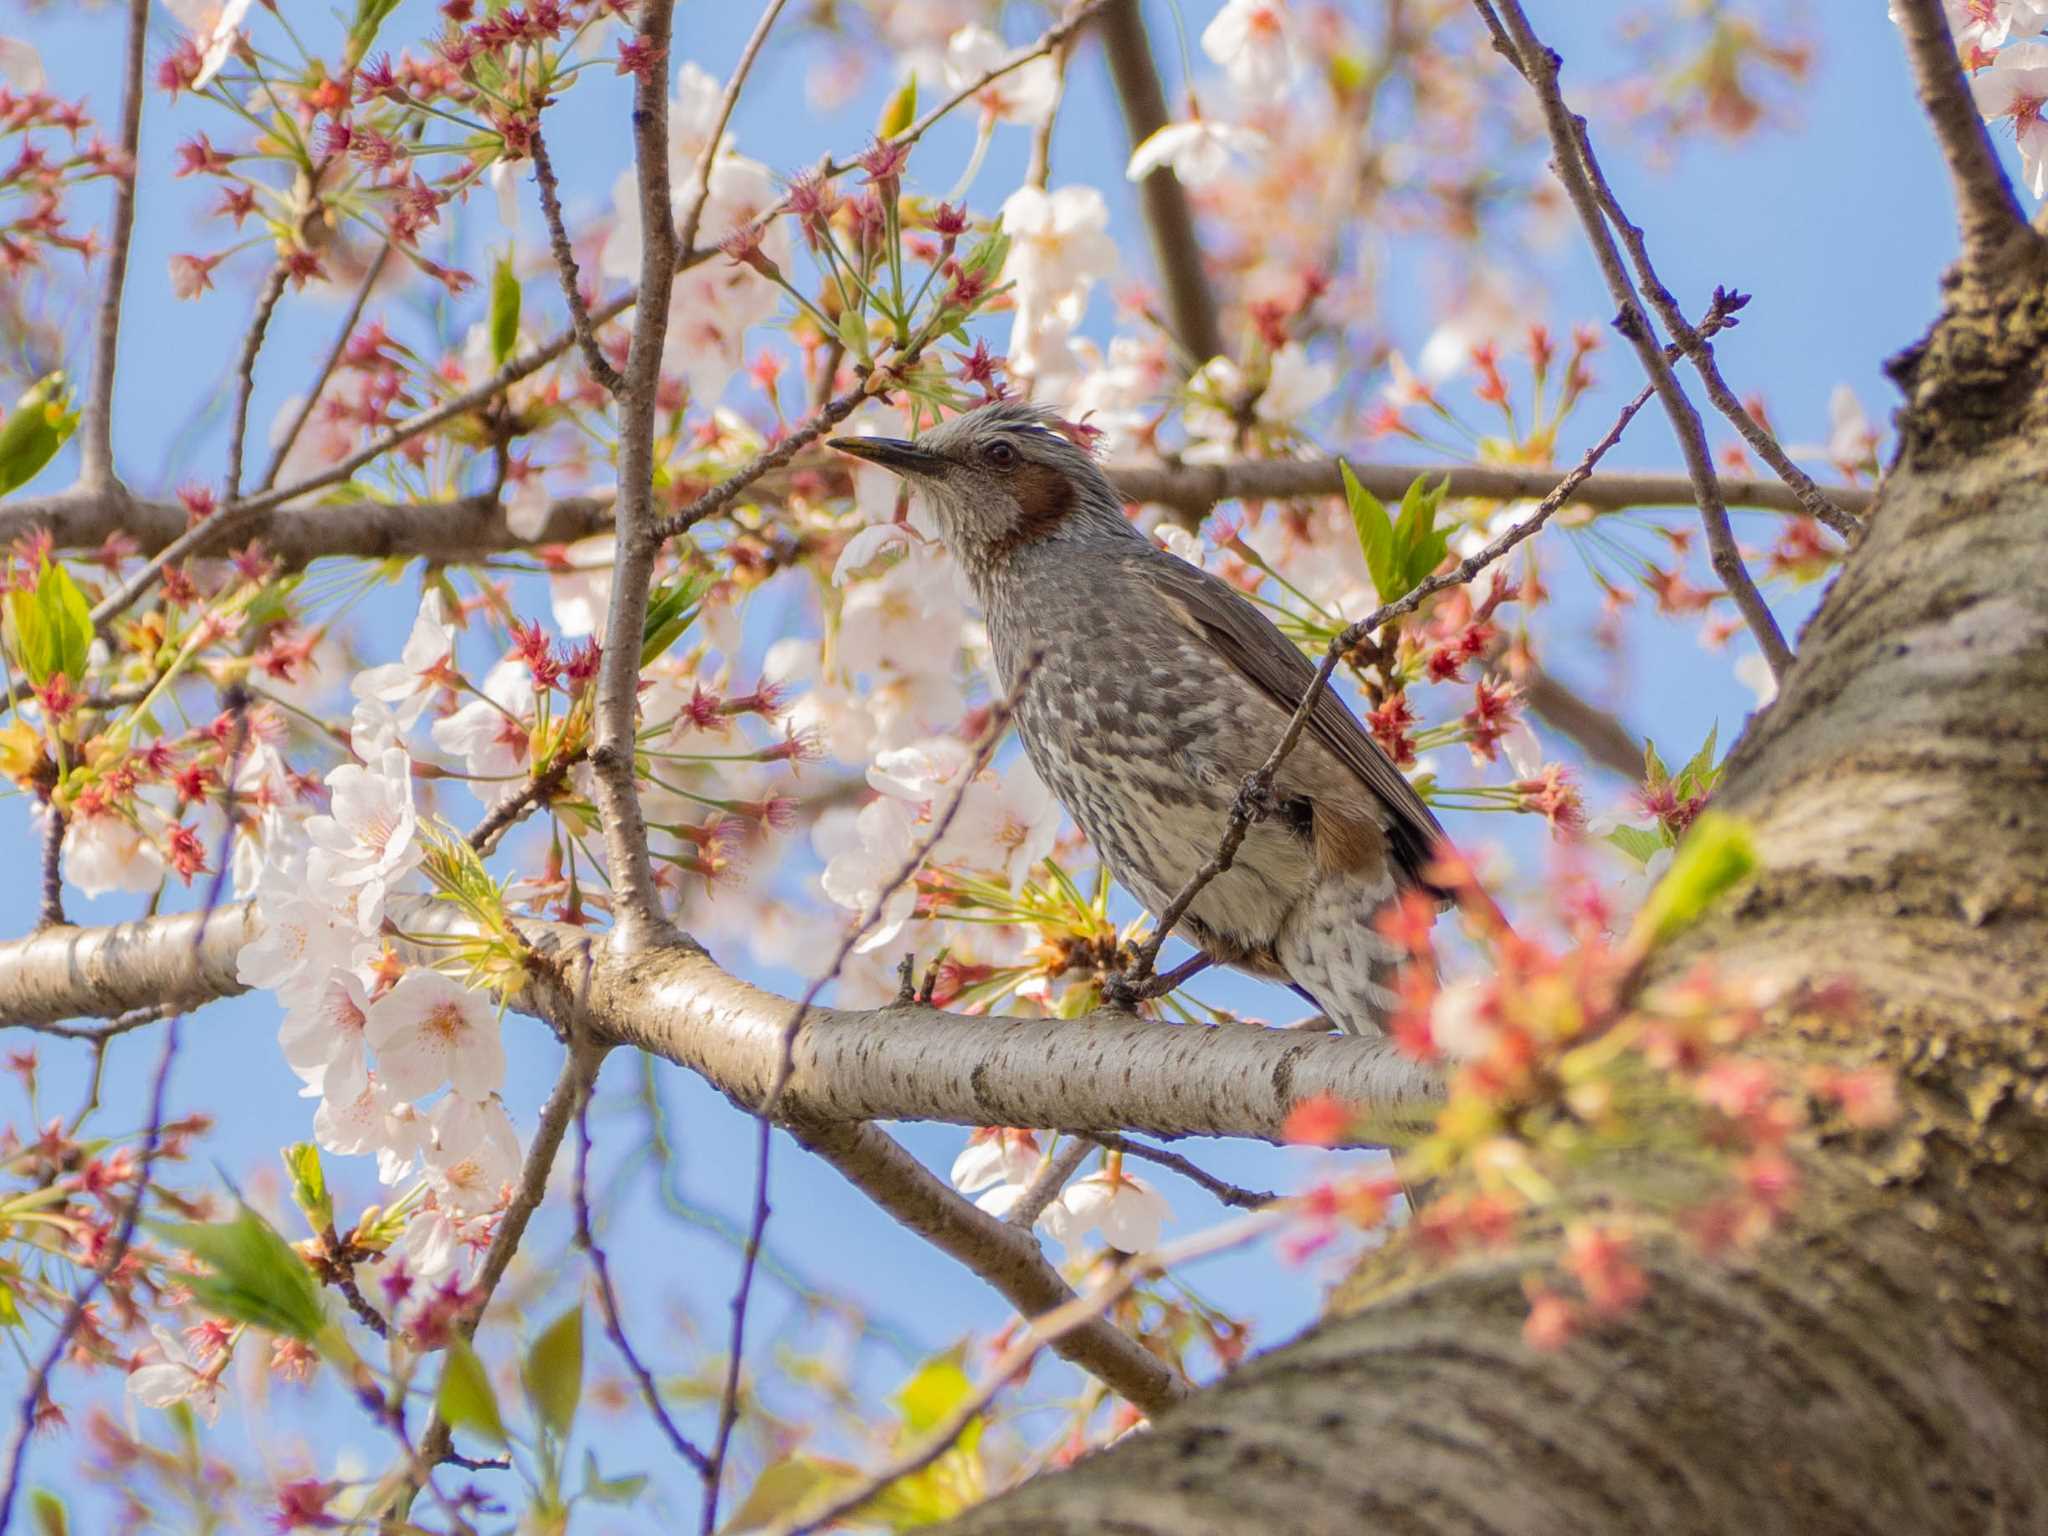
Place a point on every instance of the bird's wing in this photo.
(1248, 640)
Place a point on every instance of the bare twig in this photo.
(51, 912)
(1253, 795)
(608, 1302)
(245, 378)
(1230, 1194)
(328, 364)
(785, 1066)
(594, 359)
(1048, 1181)
(694, 219)
(636, 903)
(1038, 173)
(1176, 249)
(1994, 228)
(1038, 1334)
(538, 790)
(727, 491)
(96, 432)
(1538, 64)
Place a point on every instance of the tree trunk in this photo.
(1878, 1364)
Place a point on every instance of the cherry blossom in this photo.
(429, 1030)
(862, 854)
(1981, 25)
(1198, 152)
(409, 682)
(474, 1154)
(214, 26)
(1024, 95)
(322, 1037)
(490, 734)
(1128, 1211)
(1005, 825)
(1059, 241)
(1254, 43)
(2015, 87)
(301, 942)
(370, 836)
(995, 1155)
(105, 851)
(21, 67)
(175, 1377)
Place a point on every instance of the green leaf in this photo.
(32, 646)
(1639, 843)
(504, 311)
(309, 1185)
(1375, 536)
(783, 1488)
(609, 1490)
(67, 619)
(853, 332)
(1655, 774)
(362, 31)
(900, 110)
(254, 1276)
(553, 1372)
(671, 609)
(47, 1510)
(1700, 773)
(1717, 853)
(40, 423)
(1419, 545)
(931, 1396)
(465, 1399)
(10, 1309)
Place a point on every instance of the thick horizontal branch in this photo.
(1108, 1072)
(465, 529)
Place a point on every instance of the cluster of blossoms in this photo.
(1557, 1065)
(44, 153)
(2002, 47)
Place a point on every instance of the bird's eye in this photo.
(1000, 455)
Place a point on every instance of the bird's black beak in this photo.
(893, 453)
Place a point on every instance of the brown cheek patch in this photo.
(1044, 498)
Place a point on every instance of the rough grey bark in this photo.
(1877, 1366)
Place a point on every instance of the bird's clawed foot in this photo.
(1124, 992)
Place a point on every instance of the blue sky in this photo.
(1837, 222)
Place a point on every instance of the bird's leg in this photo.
(1119, 991)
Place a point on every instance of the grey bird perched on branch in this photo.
(1154, 689)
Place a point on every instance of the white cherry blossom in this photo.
(1006, 823)
(474, 1153)
(302, 941)
(409, 682)
(322, 1037)
(370, 836)
(490, 734)
(1198, 152)
(215, 26)
(2015, 88)
(1059, 241)
(105, 851)
(1254, 43)
(1125, 1209)
(995, 1155)
(175, 1377)
(1025, 95)
(862, 859)
(428, 1030)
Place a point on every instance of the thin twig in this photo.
(1994, 228)
(538, 790)
(594, 359)
(1038, 1333)
(1230, 1194)
(96, 434)
(785, 1066)
(1538, 65)
(245, 378)
(1048, 1181)
(97, 1034)
(608, 1303)
(708, 156)
(51, 912)
(1038, 173)
(328, 364)
(728, 490)
(1252, 796)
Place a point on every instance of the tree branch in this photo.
(693, 221)
(245, 378)
(1994, 229)
(1538, 65)
(328, 364)
(1007, 1257)
(637, 913)
(1169, 224)
(96, 432)
(565, 268)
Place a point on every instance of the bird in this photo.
(1145, 690)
